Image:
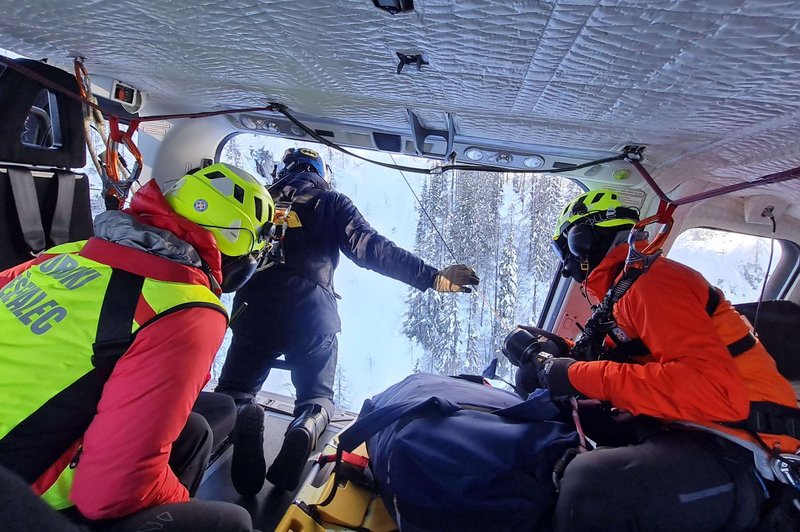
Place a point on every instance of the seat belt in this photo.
(62, 215)
(30, 215)
(28, 212)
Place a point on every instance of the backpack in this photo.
(450, 454)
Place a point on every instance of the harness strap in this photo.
(770, 418)
(116, 316)
(62, 215)
(28, 212)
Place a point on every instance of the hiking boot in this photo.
(298, 443)
(248, 465)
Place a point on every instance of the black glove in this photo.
(552, 373)
(454, 278)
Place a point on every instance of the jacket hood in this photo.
(150, 208)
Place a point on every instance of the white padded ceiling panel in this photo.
(710, 86)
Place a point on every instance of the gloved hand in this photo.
(537, 357)
(552, 373)
(454, 278)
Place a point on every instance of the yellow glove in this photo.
(455, 278)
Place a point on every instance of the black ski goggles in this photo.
(561, 248)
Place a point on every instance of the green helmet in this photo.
(601, 207)
(228, 202)
(587, 228)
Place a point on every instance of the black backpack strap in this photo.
(28, 211)
(114, 336)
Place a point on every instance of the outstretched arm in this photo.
(367, 248)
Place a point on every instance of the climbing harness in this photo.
(591, 343)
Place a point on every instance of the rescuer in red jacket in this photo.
(106, 344)
(670, 348)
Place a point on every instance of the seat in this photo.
(44, 201)
(220, 412)
(778, 328)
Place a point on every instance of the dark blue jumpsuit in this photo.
(292, 307)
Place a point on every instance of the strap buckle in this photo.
(786, 468)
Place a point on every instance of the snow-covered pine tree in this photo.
(341, 388)
(264, 162)
(233, 153)
(508, 286)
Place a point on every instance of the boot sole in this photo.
(248, 465)
(285, 471)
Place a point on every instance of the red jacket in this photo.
(145, 403)
(690, 375)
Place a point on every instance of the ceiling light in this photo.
(473, 154)
(534, 161)
(248, 122)
(503, 158)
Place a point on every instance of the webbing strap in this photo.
(62, 215)
(27, 204)
(770, 418)
(116, 318)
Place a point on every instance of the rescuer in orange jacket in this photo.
(672, 349)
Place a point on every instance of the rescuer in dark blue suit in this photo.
(291, 310)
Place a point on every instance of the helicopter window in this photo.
(499, 224)
(40, 129)
(735, 262)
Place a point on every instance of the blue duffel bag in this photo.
(450, 454)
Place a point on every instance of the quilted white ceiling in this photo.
(712, 87)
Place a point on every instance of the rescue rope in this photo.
(500, 319)
(437, 170)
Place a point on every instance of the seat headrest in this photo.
(779, 332)
(54, 134)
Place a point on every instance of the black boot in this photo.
(247, 464)
(300, 440)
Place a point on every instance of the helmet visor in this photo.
(561, 248)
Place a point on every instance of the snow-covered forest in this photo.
(501, 225)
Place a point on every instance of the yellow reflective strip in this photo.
(58, 494)
(69, 247)
(164, 295)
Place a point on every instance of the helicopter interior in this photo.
(692, 104)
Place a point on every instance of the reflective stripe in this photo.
(57, 495)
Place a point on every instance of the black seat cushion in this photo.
(778, 328)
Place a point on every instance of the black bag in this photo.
(449, 454)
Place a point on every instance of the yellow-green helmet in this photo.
(227, 201)
(601, 207)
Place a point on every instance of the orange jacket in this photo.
(689, 375)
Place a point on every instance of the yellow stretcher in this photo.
(352, 507)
